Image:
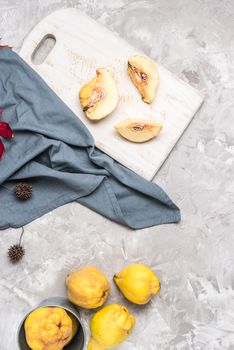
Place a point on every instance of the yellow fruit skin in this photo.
(87, 287)
(110, 326)
(138, 130)
(49, 328)
(99, 97)
(138, 283)
(93, 345)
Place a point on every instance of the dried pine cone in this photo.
(23, 191)
(16, 253)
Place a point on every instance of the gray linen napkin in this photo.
(54, 152)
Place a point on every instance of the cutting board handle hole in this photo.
(43, 49)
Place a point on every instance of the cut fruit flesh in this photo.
(138, 130)
(99, 97)
(144, 75)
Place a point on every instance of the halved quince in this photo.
(138, 130)
(144, 75)
(99, 97)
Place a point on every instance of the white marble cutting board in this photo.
(82, 45)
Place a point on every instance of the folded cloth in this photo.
(54, 152)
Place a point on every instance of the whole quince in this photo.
(87, 287)
(138, 283)
(49, 328)
(110, 326)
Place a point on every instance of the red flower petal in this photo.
(5, 47)
(5, 130)
(1, 149)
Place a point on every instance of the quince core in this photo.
(99, 97)
(144, 75)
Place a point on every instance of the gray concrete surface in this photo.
(195, 259)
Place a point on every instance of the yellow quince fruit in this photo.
(49, 328)
(138, 283)
(87, 287)
(144, 75)
(99, 97)
(138, 130)
(110, 326)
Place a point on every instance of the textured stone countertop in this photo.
(195, 259)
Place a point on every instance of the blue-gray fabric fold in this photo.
(54, 152)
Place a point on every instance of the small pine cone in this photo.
(23, 191)
(16, 253)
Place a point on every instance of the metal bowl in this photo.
(77, 343)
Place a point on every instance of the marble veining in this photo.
(194, 260)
